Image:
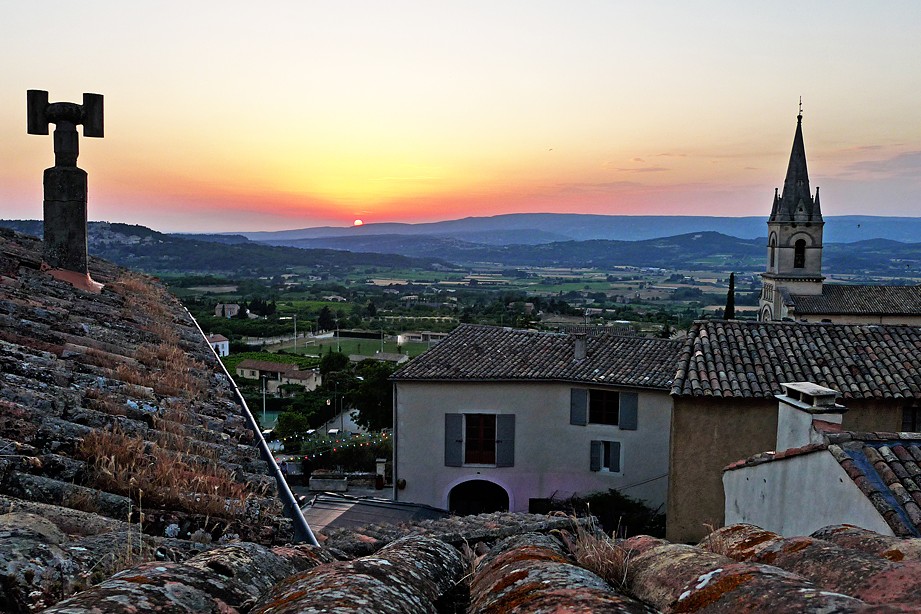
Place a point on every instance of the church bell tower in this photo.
(794, 256)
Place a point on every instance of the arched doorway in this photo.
(477, 497)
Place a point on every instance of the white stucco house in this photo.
(491, 418)
(220, 343)
(820, 475)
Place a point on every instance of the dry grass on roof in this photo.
(159, 477)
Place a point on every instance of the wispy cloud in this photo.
(610, 186)
(644, 169)
(902, 165)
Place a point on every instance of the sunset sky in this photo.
(224, 116)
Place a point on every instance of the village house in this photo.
(725, 407)
(220, 343)
(819, 475)
(278, 374)
(492, 418)
(793, 284)
(226, 310)
(425, 336)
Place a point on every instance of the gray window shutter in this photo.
(595, 456)
(578, 406)
(614, 459)
(629, 402)
(505, 440)
(454, 440)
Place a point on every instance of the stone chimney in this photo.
(580, 348)
(65, 249)
(800, 404)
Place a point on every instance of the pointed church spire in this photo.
(796, 202)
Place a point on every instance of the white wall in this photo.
(221, 347)
(798, 495)
(551, 456)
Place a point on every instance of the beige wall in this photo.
(708, 434)
(551, 456)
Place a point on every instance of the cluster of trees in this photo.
(364, 387)
(260, 307)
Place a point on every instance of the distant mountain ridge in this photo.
(144, 249)
(535, 228)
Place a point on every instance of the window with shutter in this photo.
(578, 406)
(605, 456)
(480, 439)
(603, 407)
(505, 440)
(454, 440)
(629, 405)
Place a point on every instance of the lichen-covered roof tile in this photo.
(867, 577)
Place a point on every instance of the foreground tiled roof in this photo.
(113, 422)
(489, 353)
(859, 300)
(571, 568)
(885, 467)
(843, 571)
(751, 359)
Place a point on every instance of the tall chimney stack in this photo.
(65, 239)
(580, 348)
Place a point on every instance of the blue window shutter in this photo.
(505, 440)
(629, 403)
(614, 458)
(578, 406)
(454, 440)
(595, 455)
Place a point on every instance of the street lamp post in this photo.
(263, 402)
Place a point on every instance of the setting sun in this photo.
(357, 223)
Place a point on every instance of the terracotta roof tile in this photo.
(533, 573)
(853, 299)
(864, 576)
(871, 542)
(681, 578)
(860, 361)
(411, 574)
(266, 365)
(489, 353)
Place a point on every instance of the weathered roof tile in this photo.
(858, 360)
(852, 299)
(490, 353)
